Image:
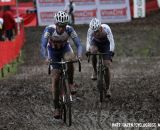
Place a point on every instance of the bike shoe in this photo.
(73, 89)
(57, 114)
(94, 76)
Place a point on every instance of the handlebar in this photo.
(98, 53)
(65, 62)
(95, 54)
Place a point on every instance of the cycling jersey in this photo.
(55, 41)
(102, 40)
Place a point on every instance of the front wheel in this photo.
(100, 85)
(63, 112)
(68, 120)
(68, 105)
(107, 80)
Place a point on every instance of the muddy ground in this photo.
(26, 101)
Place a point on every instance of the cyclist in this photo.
(100, 39)
(55, 45)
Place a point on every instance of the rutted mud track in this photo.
(26, 101)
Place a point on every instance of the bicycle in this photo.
(65, 96)
(102, 72)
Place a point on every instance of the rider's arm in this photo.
(76, 41)
(89, 37)
(78, 45)
(110, 37)
(44, 42)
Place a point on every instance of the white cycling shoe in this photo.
(94, 76)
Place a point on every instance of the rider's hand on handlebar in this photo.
(87, 53)
(47, 60)
(80, 58)
(111, 53)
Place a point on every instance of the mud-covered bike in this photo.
(65, 96)
(102, 72)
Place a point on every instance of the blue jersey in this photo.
(50, 38)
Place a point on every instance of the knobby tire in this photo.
(68, 120)
(100, 85)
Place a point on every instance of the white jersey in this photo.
(106, 32)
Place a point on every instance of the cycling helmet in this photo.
(95, 24)
(61, 17)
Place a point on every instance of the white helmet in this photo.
(95, 24)
(61, 17)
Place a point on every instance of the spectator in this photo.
(1, 30)
(70, 9)
(34, 3)
(9, 23)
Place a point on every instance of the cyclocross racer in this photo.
(55, 45)
(100, 38)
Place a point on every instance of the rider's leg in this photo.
(94, 49)
(69, 55)
(107, 76)
(55, 73)
(94, 64)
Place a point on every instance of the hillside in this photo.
(26, 101)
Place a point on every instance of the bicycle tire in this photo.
(101, 94)
(67, 104)
(100, 85)
(68, 120)
(62, 100)
(106, 74)
(63, 113)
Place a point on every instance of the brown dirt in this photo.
(26, 101)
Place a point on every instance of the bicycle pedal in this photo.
(74, 100)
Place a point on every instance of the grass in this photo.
(144, 42)
(11, 68)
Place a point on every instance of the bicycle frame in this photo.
(65, 97)
(101, 71)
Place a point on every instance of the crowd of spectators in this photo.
(8, 27)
